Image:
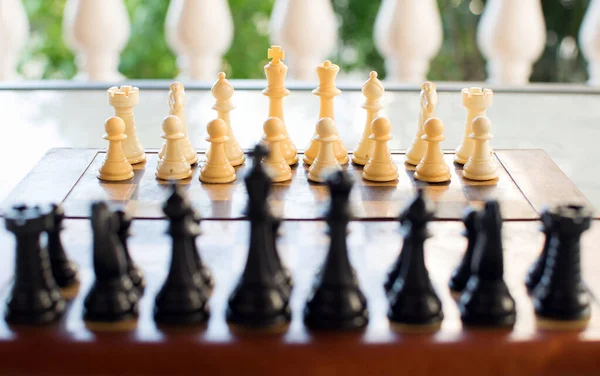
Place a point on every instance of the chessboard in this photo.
(528, 180)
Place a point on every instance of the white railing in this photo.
(511, 35)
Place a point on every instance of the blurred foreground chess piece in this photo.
(427, 104)
(64, 271)
(561, 300)
(133, 271)
(380, 166)
(115, 166)
(433, 168)
(337, 302)
(325, 159)
(536, 271)
(461, 274)
(372, 90)
(486, 301)
(217, 168)
(173, 165)
(34, 298)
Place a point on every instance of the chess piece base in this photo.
(380, 172)
(282, 178)
(135, 159)
(550, 324)
(432, 179)
(358, 160)
(237, 162)
(118, 326)
(223, 180)
(181, 176)
(461, 160)
(125, 174)
(491, 176)
(307, 160)
(293, 161)
(416, 329)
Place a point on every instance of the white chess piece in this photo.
(589, 39)
(308, 29)
(217, 168)
(326, 91)
(177, 108)
(325, 159)
(408, 33)
(173, 165)
(428, 102)
(276, 71)
(278, 168)
(14, 33)
(432, 167)
(115, 166)
(482, 164)
(380, 167)
(372, 91)
(97, 31)
(511, 35)
(222, 91)
(124, 99)
(205, 33)
(476, 101)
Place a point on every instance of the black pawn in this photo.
(261, 297)
(112, 302)
(462, 273)
(413, 301)
(207, 276)
(534, 274)
(134, 272)
(184, 295)
(64, 270)
(561, 294)
(336, 302)
(35, 298)
(486, 301)
(395, 269)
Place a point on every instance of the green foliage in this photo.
(148, 56)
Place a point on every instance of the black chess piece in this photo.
(413, 301)
(460, 275)
(35, 298)
(395, 269)
(134, 272)
(183, 298)
(64, 271)
(561, 295)
(207, 276)
(261, 297)
(486, 301)
(336, 301)
(534, 274)
(112, 302)
(287, 275)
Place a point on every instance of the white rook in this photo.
(308, 32)
(589, 39)
(14, 32)
(511, 35)
(200, 32)
(408, 34)
(97, 31)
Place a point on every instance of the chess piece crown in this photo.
(276, 71)
(124, 96)
(327, 73)
(222, 91)
(477, 98)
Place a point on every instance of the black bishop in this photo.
(336, 302)
(414, 304)
(486, 301)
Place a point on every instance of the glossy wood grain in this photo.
(528, 179)
(70, 348)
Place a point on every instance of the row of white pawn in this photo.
(408, 33)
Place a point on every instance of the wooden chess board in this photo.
(529, 180)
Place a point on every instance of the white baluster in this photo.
(307, 30)
(511, 35)
(97, 31)
(172, 36)
(14, 32)
(589, 39)
(408, 33)
(205, 32)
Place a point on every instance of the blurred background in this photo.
(147, 54)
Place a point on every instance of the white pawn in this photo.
(177, 108)
(173, 165)
(222, 91)
(217, 168)
(275, 162)
(481, 165)
(325, 159)
(432, 167)
(380, 167)
(115, 166)
(427, 103)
